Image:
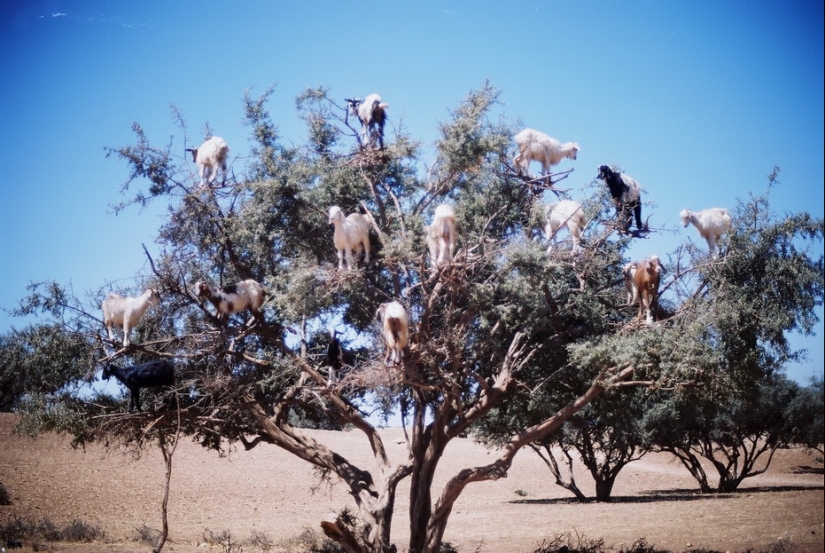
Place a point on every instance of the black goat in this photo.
(154, 373)
(626, 194)
(335, 357)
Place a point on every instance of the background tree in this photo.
(804, 415)
(503, 323)
(737, 434)
(767, 285)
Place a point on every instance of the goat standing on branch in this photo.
(537, 146)
(646, 279)
(629, 273)
(372, 113)
(351, 233)
(125, 311)
(711, 223)
(627, 197)
(146, 375)
(567, 213)
(335, 357)
(441, 235)
(247, 294)
(210, 156)
(396, 330)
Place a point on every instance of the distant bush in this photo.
(80, 531)
(565, 544)
(149, 536)
(21, 530)
(310, 541)
(260, 541)
(4, 495)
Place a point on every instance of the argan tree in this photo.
(503, 320)
(737, 411)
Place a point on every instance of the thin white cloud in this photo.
(58, 14)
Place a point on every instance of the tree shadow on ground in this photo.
(808, 469)
(656, 496)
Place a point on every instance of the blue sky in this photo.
(696, 100)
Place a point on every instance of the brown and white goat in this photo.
(395, 328)
(246, 294)
(646, 280)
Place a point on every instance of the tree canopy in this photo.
(504, 336)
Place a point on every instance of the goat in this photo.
(351, 233)
(247, 294)
(441, 235)
(210, 156)
(372, 113)
(159, 372)
(537, 146)
(646, 280)
(395, 329)
(626, 194)
(564, 213)
(711, 223)
(335, 357)
(629, 272)
(126, 311)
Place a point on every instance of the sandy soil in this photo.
(267, 490)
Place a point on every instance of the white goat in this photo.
(126, 311)
(537, 146)
(395, 329)
(441, 235)
(711, 223)
(210, 156)
(351, 233)
(564, 213)
(629, 272)
(372, 113)
(246, 294)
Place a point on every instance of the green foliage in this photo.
(43, 357)
(732, 431)
(804, 416)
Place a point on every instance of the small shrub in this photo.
(260, 540)
(224, 540)
(47, 530)
(149, 536)
(79, 531)
(641, 546)
(447, 547)
(521, 493)
(20, 530)
(310, 541)
(564, 544)
(4, 495)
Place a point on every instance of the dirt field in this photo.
(267, 490)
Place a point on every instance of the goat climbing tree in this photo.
(502, 321)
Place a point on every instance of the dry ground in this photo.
(267, 490)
